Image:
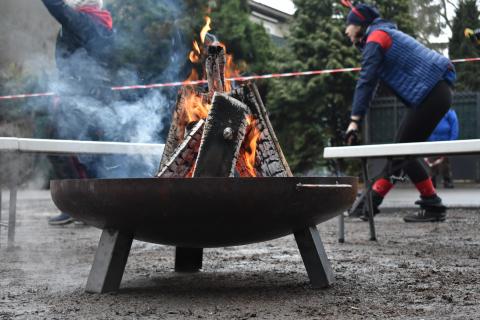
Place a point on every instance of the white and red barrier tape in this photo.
(240, 79)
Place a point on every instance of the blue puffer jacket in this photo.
(410, 69)
(447, 128)
(84, 47)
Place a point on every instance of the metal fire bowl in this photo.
(205, 212)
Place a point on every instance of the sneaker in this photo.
(429, 201)
(431, 210)
(429, 215)
(62, 219)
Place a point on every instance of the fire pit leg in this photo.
(188, 259)
(110, 260)
(314, 257)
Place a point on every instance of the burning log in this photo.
(271, 161)
(215, 69)
(222, 138)
(177, 129)
(182, 162)
(248, 159)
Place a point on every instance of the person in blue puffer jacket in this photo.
(446, 130)
(84, 49)
(420, 77)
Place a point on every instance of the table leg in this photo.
(368, 189)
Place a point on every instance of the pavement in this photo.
(462, 196)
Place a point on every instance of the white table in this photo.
(64, 147)
(401, 151)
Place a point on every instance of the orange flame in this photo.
(194, 55)
(250, 145)
(205, 28)
(195, 107)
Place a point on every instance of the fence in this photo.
(386, 114)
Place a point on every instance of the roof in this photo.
(269, 11)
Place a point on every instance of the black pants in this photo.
(418, 124)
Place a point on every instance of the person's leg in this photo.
(62, 166)
(446, 171)
(417, 126)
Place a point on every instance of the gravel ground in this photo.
(414, 271)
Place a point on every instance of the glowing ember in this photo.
(190, 173)
(250, 145)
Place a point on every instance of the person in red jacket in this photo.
(420, 77)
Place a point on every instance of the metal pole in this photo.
(1, 225)
(12, 212)
(341, 228)
(12, 207)
(341, 218)
(368, 190)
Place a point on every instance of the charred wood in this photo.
(182, 162)
(176, 133)
(215, 69)
(272, 162)
(222, 138)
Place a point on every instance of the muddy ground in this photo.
(414, 271)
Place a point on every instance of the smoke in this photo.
(138, 117)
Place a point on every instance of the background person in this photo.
(473, 35)
(420, 77)
(83, 50)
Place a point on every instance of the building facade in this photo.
(275, 22)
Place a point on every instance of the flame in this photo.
(195, 107)
(231, 70)
(205, 28)
(194, 55)
(250, 145)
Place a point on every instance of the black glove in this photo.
(351, 137)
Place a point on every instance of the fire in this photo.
(196, 107)
(195, 53)
(231, 70)
(250, 145)
(205, 29)
(190, 173)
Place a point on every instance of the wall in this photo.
(27, 35)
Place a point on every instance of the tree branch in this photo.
(444, 13)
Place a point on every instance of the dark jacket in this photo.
(410, 69)
(447, 128)
(84, 48)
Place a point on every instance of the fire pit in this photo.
(223, 181)
(205, 212)
(192, 214)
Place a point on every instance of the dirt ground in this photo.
(414, 271)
